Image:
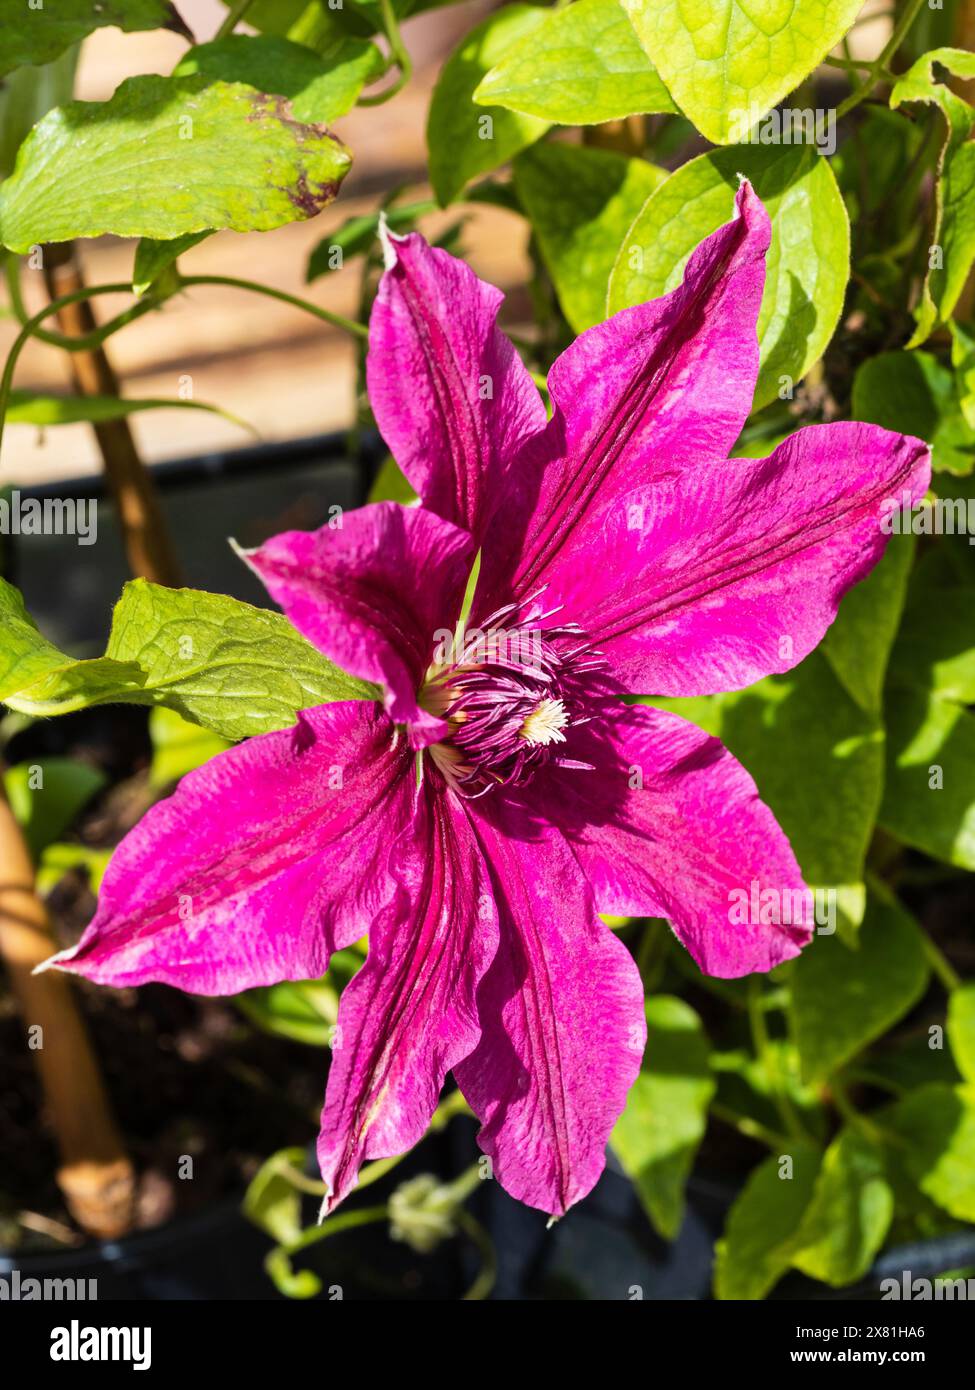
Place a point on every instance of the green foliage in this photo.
(849, 1213)
(581, 66)
(221, 153)
(954, 228)
(915, 393)
(46, 796)
(726, 64)
(465, 140)
(580, 203)
(755, 1250)
(843, 998)
(234, 669)
(41, 34)
(658, 1133)
(33, 408)
(319, 89)
(807, 262)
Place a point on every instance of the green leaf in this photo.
(57, 860)
(808, 261)
(936, 1127)
(581, 202)
(391, 485)
(26, 96)
(843, 999)
(808, 744)
(235, 669)
(272, 1201)
(963, 361)
(46, 796)
(320, 89)
(37, 35)
(357, 234)
(726, 63)
(31, 408)
(153, 258)
(754, 1252)
(319, 23)
(220, 155)
(36, 678)
(178, 746)
(858, 645)
(582, 66)
(305, 1011)
(961, 1028)
(464, 140)
(849, 1215)
(658, 1133)
(929, 796)
(954, 230)
(912, 392)
(935, 648)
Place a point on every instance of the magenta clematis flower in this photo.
(501, 792)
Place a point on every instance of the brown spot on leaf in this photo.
(310, 197)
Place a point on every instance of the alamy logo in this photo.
(925, 1290)
(19, 1290)
(49, 516)
(77, 1343)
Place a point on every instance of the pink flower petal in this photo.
(262, 862)
(726, 572)
(452, 398)
(665, 385)
(562, 1019)
(409, 1015)
(669, 824)
(372, 594)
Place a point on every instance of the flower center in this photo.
(511, 693)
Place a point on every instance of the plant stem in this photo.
(30, 327)
(358, 330)
(488, 1272)
(398, 52)
(148, 544)
(752, 1129)
(233, 17)
(878, 69)
(760, 1041)
(939, 963)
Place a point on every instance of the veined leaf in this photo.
(582, 66)
(465, 140)
(658, 1133)
(37, 35)
(954, 232)
(581, 202)
(726, 64)
(849, 1215)
(235, 669)
(754, 1252)
(320, 89)
(166, 156)
(843, 999)
(807, 263)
